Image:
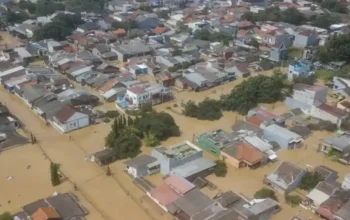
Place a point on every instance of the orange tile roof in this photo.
(45, 213)
(164, 194)
(254, 120)
(108, 85)
(248, 154)
(159, 30)
(241, 32)
(119, 31)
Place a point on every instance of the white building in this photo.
(329, 113)
(346, 182)
(68, 119)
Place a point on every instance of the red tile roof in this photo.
(65, 113)
(119, 31)
(242, 32)
(164, 194)
(254, 120)
(245, 23)
(227, 20)
(179, 184)
(248, 154)
(45, 213)
(108, 85)
(137, 90)
(264, 115)
(243, 67)
(159, 30)
(337, 112)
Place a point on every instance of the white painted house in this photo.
(329, 113)
(69, 118)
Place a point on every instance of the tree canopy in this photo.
(251, 92)
(205, 34)
(160, 124)
(27, 5)
(55, 177)
(290, 15)
(61, 27)
(208, 109)
(48, 7)
(220, 169)
(336, 49)
(334, 6)
(293, 200)
(310, 180)
(325, 20)
(16, 17)
(264, 193)
(86, 5)
(6, 216)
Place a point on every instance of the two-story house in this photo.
(305, 38)
(179, 157)
(300, 68)
(278, 52)
(305, 96)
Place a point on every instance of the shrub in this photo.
(310, 180)
(264, 193)
(209, 109)
(168, 107)
(175, 105)
(151, 140)
(6, 216)
(220, 169)
(112, 114)
(106, 120)
(55, 177)
(293, 200)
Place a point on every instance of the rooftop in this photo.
(340, 143)
(220, 138)
(193, 167)
(285, 174)
(180, 151)
(282, 132)
(244, 152)
(179, 184)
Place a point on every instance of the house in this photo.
(259, 144)
(69, 118)
(238, 69)
(9, 71)
(301, 68)
(337, 147)
(185, 157)
(144, 94)
(77, 70)
(323, 191)
(327, 173)
(147, 21)
(46, 213)
(329, 113)
(213, 142)
(344, 212)
(142, 165)
(346, 182)
(341, 86)
(66, 205)
(32, 93)
(171, 189)
(333, 206)
(305, 38)
(24, 30)
(242, 155)
(285, 178)
(279, 52)
(88, 26)
(104, 157)
(285, 138)
(165, 79)
(127, 51)
(120, 32)
(305, 96)
(180, 40)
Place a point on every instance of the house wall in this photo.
(293, 103)
(78, 120)
(312, 40)
(167, 164)
(318, 113)
(132, 171)
(346, 184)
(267, 214)
(275, 54)
(300, 69)
(300, 40)
(296, 183)
(229, 159)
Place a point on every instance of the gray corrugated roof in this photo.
(134, 48)
(193, 167)
(344, 212)
(139, 161)
(66, 205)
(338, 142)
(193, 202)
(33, 92)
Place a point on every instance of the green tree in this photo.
(48, 7)
(310, 180)
(254, 42)
(151, 140)
(325, 20)
(264, 193)
(55, 176)
(209, 109)
(255, 90)
(220, 170)
(16, 17)
(27, 5)
(161, 124)
(126, 145)
(293, 200)
(146, 8)
(6, 216)
(190, 109)
(334, 6)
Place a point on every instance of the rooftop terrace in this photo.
(182, 150)
(220, 138)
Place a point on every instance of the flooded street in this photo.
(115, 197)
